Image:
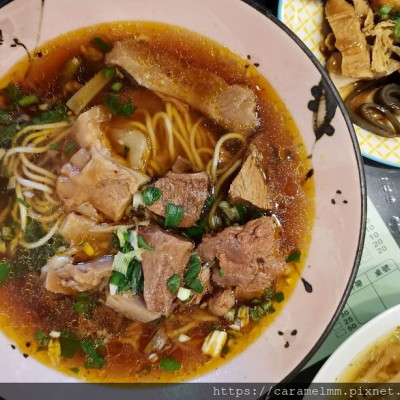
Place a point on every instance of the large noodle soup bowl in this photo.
(325, 280)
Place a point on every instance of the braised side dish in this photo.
(363, 59)
(379, 363)
(156, 203)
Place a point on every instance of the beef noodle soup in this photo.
(156, 204)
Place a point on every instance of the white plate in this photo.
(304, 18)
(339, 228)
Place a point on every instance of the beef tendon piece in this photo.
(130, 306)
(62, 276)
(102, 182)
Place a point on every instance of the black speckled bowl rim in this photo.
(262, 9)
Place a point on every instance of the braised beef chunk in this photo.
(246, 255)
(188, 190)
(182, 165)
(250, 186)
(205, 279)
(221, 302)
(169, 257)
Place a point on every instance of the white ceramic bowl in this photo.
(369, 333)
(340, 188)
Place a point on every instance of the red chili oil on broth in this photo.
(97, 343)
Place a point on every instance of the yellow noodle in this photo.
(196, 155)
(22, 209)
(45, 219)
(25, 149)
(226, 175)
(44, 239)
(168, 130)
(31, 128)
(31, 184)
(36, 137)
(36, 168)
(50, 199)
(14, 211)
(221, 141)
(214, 208)
(177, 118)
(38, 178)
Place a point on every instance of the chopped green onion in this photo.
(118, 282)
(214, 343)
(169, 364)
(126, 150)
(151, 194)
(193, 269)
(75, 370)
(13, 92)
(69, 344)
(279, 297)
(55, 146)
(196, 286)
(117, 86)
(230, 314)
(123, 236)
(114, 104)
(23, 202)
(385, 10)
(173, 283)
(230, 211)
(5, 117)
(126, 109)
(221, 272)
(108, 72)
(28, 100)
(49, 116)
(136, 277)
(122, 260)
(70, 148)
(4, 171)
(396, 31)
(269, 293)
(69, 69)
(83, 305)
(195, 231)
(143, 244)
(43, 340)
(294, 256)
(173, 215)
(94, 359)
(184, 294)
(225, 350)
(4, 270)
(101, 44)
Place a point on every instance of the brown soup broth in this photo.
(26, 307)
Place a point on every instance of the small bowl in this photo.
(356, 344)
(301, 82)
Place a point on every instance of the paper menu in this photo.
(376, 287)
